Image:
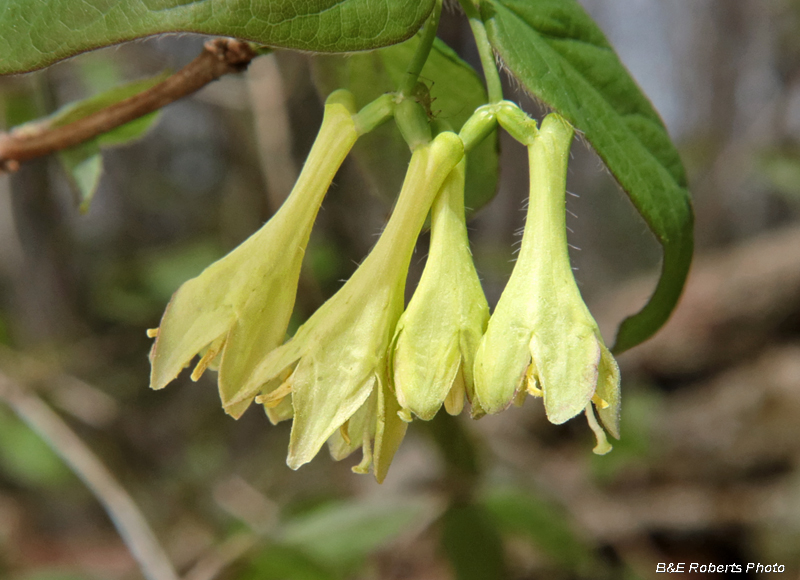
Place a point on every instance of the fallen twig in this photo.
(119, 506)
(221, 557)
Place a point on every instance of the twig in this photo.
(119, 506)
(220, 56)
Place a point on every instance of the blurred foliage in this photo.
(545, 525)
(472, 543)
(708, 466)
(26, 459)
(341, 534)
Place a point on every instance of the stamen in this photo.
(152, 332)
(366, 448)
(603, 446)
(273, 399)
(211, 353)
(532, 382)
(454, 401)
(599, 403)
(344, 431)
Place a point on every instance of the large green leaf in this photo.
(35, 33)
(455, 92)
(558, 54)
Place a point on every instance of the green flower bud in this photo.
(238, 309)
(338, 359)
(541, 337)
(438, 334)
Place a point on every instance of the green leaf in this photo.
(35, 34)
(555, 50)
(455, 92)
(545, 525)
(84, 164)
(342, 533)
(472, 543)
(285, 563)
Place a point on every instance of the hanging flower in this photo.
(238, 309)
(336, 367)
(541, 338)
(438, 334)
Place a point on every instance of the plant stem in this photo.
(478, 126)
(423, 50)
(374, 114)
(220, 56)
(493, 84)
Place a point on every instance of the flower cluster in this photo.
(365, 364)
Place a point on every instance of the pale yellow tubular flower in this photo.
(238, 308)
(438, 334)
(541, 337)
(339, 357)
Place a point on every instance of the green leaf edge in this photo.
(195, 23)
(676, 233)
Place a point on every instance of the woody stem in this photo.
(220, 56)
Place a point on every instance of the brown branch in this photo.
(220, 56)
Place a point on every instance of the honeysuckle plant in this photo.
(365, 364)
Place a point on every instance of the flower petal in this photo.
(566, 360)
(447, 304)
(389, 433)
(608, 390)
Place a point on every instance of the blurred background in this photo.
(708, 470)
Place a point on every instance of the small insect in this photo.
(422, 94)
